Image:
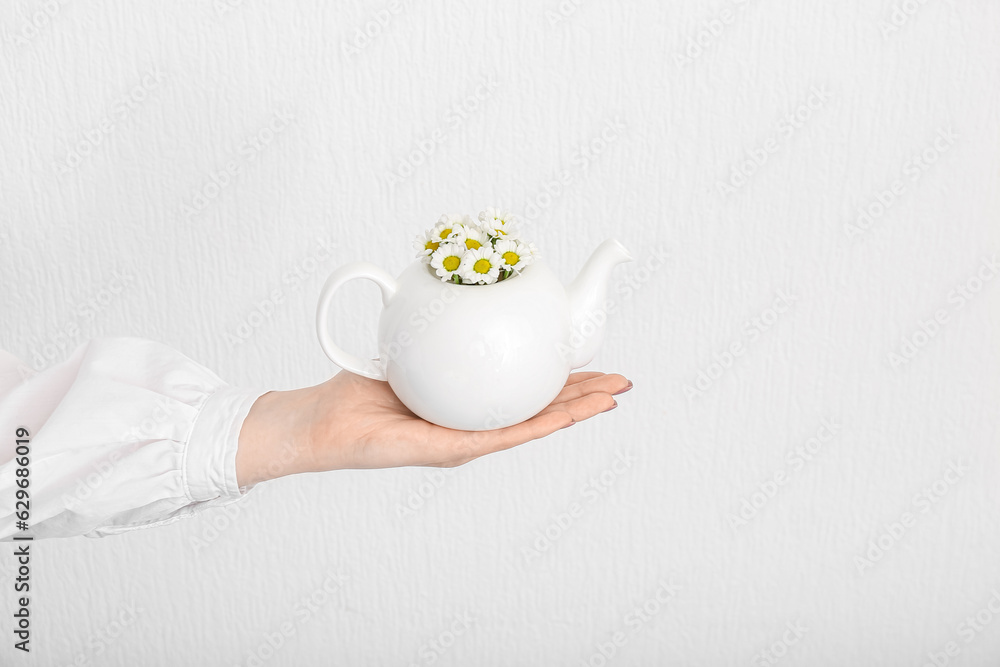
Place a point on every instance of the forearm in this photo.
(275, 438)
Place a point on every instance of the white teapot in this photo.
(479, 357)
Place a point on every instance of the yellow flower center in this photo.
(472, 244)
(431, 245)
(482, 266)
(451, 263)
(511, 257)
(445, 233)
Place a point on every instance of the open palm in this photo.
(362, 424)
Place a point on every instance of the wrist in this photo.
(276, 439)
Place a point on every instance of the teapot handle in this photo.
(348, 272)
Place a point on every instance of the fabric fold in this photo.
(127, 433)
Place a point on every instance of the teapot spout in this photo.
(588, 301)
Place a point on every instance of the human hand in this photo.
(352, 421)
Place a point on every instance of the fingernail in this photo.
(568, 425)
(612, 407)
(623, 390)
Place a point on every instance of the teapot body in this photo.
(479, 357)
(475, 357)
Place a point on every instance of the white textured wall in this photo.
(115, 115)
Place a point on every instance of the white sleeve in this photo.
(127, 433)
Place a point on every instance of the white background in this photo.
(451, 107)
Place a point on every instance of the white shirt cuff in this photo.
(210, 457)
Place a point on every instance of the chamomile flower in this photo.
(447, 225)
(454, 220)
(442, 231)
(481, 266)
(447, 260)
(471, 236)
(515, 254)
(462, 251)
(425, 244)
(498, 223)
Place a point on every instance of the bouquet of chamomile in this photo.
(466, 252)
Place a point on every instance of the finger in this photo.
(585, 395)
(580, 377)
(550, 420)
(583, 407)
(480, 443)
(609, 384)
